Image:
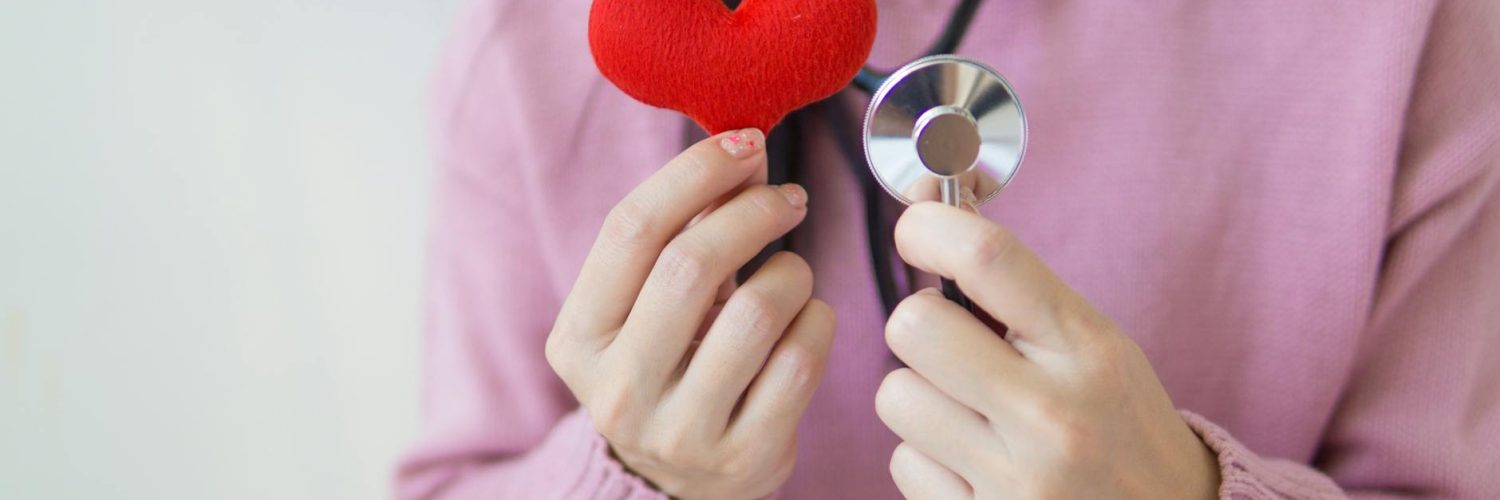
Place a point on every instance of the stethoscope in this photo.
(941, 128)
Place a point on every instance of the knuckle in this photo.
(556, 353)
(632, 222)
(758, 308)
(989, 245)
(738, 468)
(902, 458)
(819, 316)
(565, 345)
(820, 309)
(801, 366)
(795, 275)
(798, 264)
(1106, 359)
(743, 445)
(677, 447)
(907, 322)
(891, 396)
(899, 462)
(759, 461)
(1074, 445)
(906, 465)
(767, 203)
(1105, 354)
(686, 263)
(1040, 411)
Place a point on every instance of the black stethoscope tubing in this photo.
(953, 33)
(878, 228)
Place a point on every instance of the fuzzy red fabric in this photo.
(731, 69)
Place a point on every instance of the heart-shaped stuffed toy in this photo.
(729, 69)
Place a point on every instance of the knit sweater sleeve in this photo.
(496, 421)
(1421, 417)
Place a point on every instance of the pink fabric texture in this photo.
(1292, 206)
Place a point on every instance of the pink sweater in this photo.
(1293, 206)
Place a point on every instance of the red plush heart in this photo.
(731, 69)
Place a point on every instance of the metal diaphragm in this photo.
(944, 118)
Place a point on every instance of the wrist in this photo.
(1201, 465)
(1205, 483)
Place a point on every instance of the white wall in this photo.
(211, 222)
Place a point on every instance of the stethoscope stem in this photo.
(952, 194)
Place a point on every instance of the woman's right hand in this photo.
(699, 397)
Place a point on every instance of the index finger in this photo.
(637, 229)
(994, 269)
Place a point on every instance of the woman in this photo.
(1253, 254)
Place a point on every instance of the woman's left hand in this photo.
(1064, 406)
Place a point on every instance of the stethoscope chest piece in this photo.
(945, 128)
(944, 118)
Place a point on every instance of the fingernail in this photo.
(743, 143)
(794, 194)
(969, 200)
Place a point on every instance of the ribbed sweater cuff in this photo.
(1245, 475)
(584, 454)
